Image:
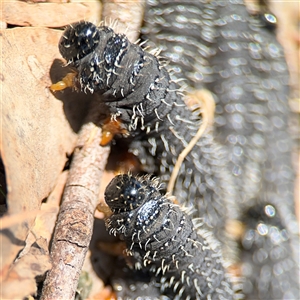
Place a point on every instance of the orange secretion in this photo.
(110, 128)
(67, 81)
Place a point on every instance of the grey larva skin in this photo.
(163, 239)
(218, 46)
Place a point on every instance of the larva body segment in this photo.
(185, 33)
(241, 62)
(162, 239)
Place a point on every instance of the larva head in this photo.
(78, 40)
(125, 193)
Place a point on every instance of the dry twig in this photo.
(75, 221)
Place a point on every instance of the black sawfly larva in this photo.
(162, 238)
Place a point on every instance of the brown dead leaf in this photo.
(49, 14)
(46, 219)
(21, 280)
(39, 128)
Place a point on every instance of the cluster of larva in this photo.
(138, 91)
(162, 238)
(229, 53)
(220, 46)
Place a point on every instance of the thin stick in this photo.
(206, 100)
(75, 221)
